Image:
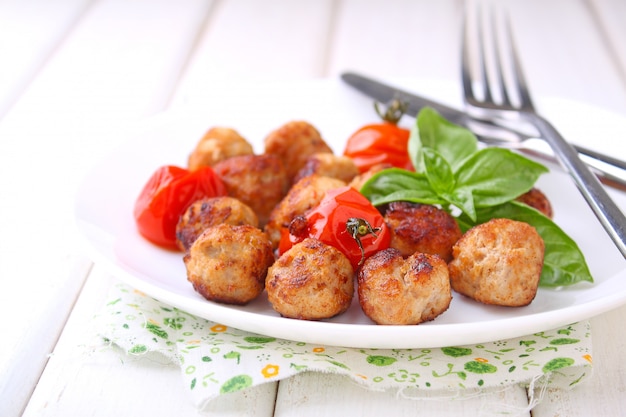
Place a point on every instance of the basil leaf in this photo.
(395, 184)
(564, 263)
(463, 199)
(453, 142)
(495, 176)
(413, 196)
(438, 171)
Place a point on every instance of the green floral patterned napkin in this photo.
(216, 359)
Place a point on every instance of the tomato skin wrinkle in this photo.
(328, 223)
(166, 195)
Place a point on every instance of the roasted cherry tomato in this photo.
(381, 143)
(166, 195)
(344, 219)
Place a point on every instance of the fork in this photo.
(505, 97)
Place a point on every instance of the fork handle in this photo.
(605, 209)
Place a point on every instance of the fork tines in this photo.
(491, 70)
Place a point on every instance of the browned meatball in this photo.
(395, 290)
(421, 228)
(302, 196)
(228, 264)
(260, 181)
(498, 262)
(293, 143)
(538, 200)
(218, 144)
(311, 281)
(329, 165)
(208, 212)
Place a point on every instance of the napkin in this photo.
(216, 359)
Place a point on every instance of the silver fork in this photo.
(509, 99)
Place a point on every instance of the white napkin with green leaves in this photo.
(216, 359)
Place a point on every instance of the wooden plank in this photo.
(317, 394)
(564, 55)
(397, 38)
(251, 40)
(30, 332)
(118, 64)
(121, 62)
(422, 39)
(610, 16)
(30, 30)
(84, 378)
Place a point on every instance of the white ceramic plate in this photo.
(105, 223)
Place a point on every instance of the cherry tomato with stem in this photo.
(381, 143)
(167, 194)
(344, 219)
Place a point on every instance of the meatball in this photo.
(421, 228)
(538, 200)
(498, 262)
(311, 281)
(329, 165)
(260, 181)
(208, 212)
(218, 144)
(395, 290)
(228, 264)
(302, 196)
(293, 143)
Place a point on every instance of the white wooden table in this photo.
(73, 73)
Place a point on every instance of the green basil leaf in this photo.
(438, 171)
(453, 142)
(463, 199)
(413, 196)
(395, 184)
(564, 263)
(495, 176)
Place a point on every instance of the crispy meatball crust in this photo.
(538, 200)
(293, 143)
(329, 165)
(208, 212)
(260, 181)
(498, 262)
(311, 281)
(218, 144)
(395, 290)
(228, 264)
(302, 196)
(421, 228)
